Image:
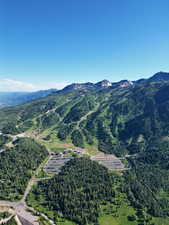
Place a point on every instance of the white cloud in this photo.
(15, 85)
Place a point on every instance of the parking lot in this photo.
(109, 162)
(55, 164)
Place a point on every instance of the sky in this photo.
(51, 43)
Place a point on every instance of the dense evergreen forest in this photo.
(85, 190)
(78, 191)
(147, 183)
(17, 167)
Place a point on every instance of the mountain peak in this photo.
(125, 83)
(104, 83)
(78, 86)
(160, 76)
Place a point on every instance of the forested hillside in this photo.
(117, 120)
(86, 193)
(77, 192)
(17, 167)
(147, 184)
(130, 120)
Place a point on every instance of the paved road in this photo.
(20, 208)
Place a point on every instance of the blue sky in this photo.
(50, 43)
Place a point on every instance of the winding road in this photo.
(21, 209)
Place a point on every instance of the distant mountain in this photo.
(103, 83)
(104, 114)
(97, 86)
(79, 86)
(160, 76)
(157, 77)
(123, 84)
(14, 98)
(88, 85)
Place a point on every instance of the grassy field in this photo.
(65, 222)
(56, 145)
(160, 221)
(60, 221)
(117, 214)
(122, 214)
(110, 220)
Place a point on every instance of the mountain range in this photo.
(128, 119)
(15, 98)
(111, 116)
